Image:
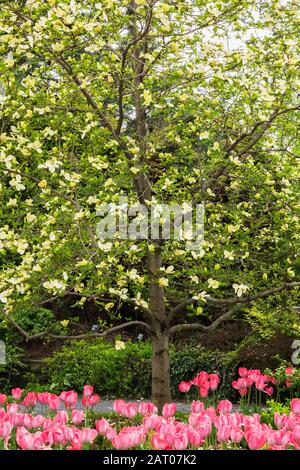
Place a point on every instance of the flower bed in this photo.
(208, 426)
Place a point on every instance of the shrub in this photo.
(127, 372)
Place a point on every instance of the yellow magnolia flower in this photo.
(213, 284)
(119, 345)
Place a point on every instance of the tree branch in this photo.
(233, 300)
(46, 333)
(203, 328)
(255, 138)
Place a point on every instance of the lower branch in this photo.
(48, 334)
(204, 329)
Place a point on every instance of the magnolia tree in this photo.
(159, 102)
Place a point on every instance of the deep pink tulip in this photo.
(70, 398)
(43, 397)
(95, 399)
(256, 440)
(17, 393)
(53, 402)
(169, 409)
(289, 370)
(130, 410)
(269, 391)
(184, 387)
(214, 381)
(243, 372)
(3, 398)
(30, 400)
(204, 389)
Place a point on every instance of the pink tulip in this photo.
(70, 398)
(17, 419)
(223, 433)
(203, 390)
(43, 397)
(159, 443)
(95, 399)
(195, 438)
(76, 445)
(269, 391)
(181, 442)
(197, 406)
(119, 405)
(260, 383)
(184, 387)
(37, 421)
(3, 398)
(12, 408)
(88, 435)
(130, 410)
(243, 372)
(236, 434)
(17, 393)
(53, 402)
(224, 406)
(214, 381)
(88, 390)
(295, 406)
(255, 440)
(146, 408)
(77, 416)
(110, 434)
(169, 409)
(102, 426)
(61, 417)
(289, 370)
(30, 400)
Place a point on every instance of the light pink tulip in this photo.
(88, 390)
(77, 416)
(169, 409)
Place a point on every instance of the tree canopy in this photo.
(160, 101)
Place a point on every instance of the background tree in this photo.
(160, 101)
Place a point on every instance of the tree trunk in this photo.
(161, 391)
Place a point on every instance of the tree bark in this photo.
(161, 391)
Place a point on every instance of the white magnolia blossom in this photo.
(240, 289)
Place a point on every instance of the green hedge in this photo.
(126, 373)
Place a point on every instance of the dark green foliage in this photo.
(126, 373)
